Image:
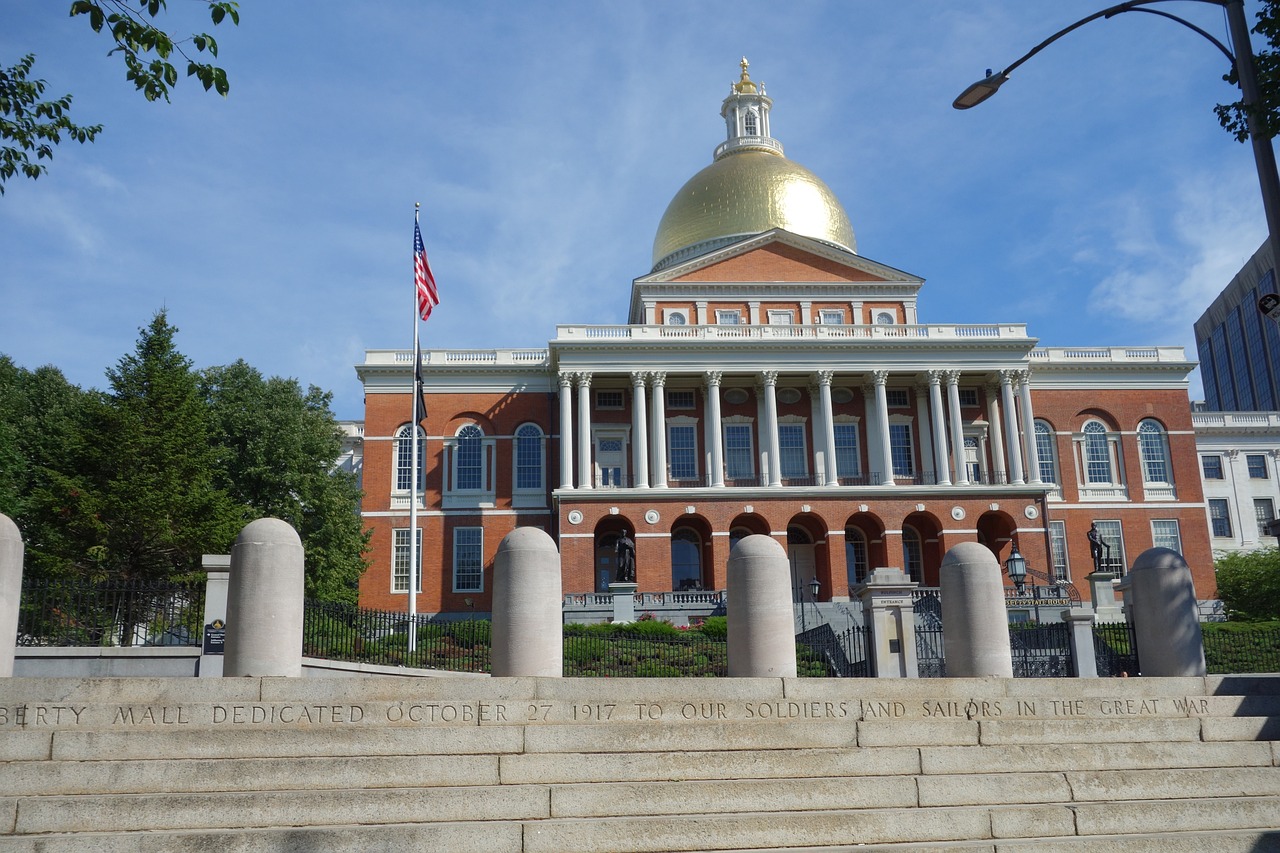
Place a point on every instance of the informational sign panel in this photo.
(215, 637)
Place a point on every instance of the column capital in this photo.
(639, 377)
(1009, 376)
(583, 379)
(934, 377)
(1232, 453)
(951, 376)
(658, 378)
(713, 378)
(879, 377)
(566, 379)
(768, 378)
(824, 377)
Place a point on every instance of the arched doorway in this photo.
(686, 559)
(608, 532)
(804, 564)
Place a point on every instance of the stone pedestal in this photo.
(762, 641)
(890, 615)
(624, 602)
(217, 568)
(1102, 589)
(1166, 623)
(264, 601)
(528, 628)
(975, 623)
(1082, 650)
(11, 550)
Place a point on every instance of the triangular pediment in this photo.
(779, 256)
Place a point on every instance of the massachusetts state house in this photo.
(772, 380)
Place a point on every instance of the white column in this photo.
(769, 385)
(715, 435)
(959, 475)
(1028, 428)
(879, 378)
(1001, 473)
(702, 313)
(566, 430)
(928, 462)
(1011, 427)
(639, 429)
(832, 475)
(585, 480)
(939, 428)
(659, 430)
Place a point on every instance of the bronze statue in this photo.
(1096, 544)
(626, 559)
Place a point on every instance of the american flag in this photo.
(423, 280)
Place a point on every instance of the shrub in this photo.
(1249, 584)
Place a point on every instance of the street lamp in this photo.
(815, 587)
(1016, 566)
(1263, 154)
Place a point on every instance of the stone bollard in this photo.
(10, 592)
(264, 601)
(762, 640)
(528, 628)
(975, 623)
(1166, 622)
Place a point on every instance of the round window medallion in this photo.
(575, 517)
(652, 516)
(957, 512)
(736, 396)
(841, 395)
(789, 395)
(1031, 512)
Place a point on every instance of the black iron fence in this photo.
(1115, 650)
(113, 612)
(1231, 647)
(1041, 651)
(362, 635)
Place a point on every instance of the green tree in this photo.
(1249, 584)
(277, 447)
(1233, 116)
(30, 127)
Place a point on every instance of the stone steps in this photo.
(660, 765)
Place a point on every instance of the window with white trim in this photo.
(782, 318)
(530, 458)
(968, 398)
(1165, 534)
(750, 123)
(855, 555)
(468, 559)
(1113, 535)
(674, 318)
(1059, 564)
(680, 398)
(1264, 511)
(468, 460)
(1212, 467)
(1220, 518)
(848, 462)
(682, 443)
(884, 318)
(739, 455)
(973, 459)
(400, 559)
(897, 398)
(1046, 453)
(902, 450)
(1153, 449)
(404, 458)
(791, 445)
(912, 554)
(1097, 454)
(1257, 464)
(610, 399)
(831, 317)
(728, 317)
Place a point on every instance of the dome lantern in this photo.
(746, 118)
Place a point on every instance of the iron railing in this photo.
(1242, 648)
(1115, 650)
(115, 612)
(362, 635)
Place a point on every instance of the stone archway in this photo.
(605, 556)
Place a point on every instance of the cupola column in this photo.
(940, 461)
(715, 435)
(878, 380)
(566, 430)
(1011, 426)
(831, 476)
(769, 387)
(1001, 473)
(659, 380)
(585, 480)
(958, 474)
(639, 429)
(1028, 427)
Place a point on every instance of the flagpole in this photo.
(415, 556)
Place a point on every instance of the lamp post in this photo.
(1016, 566)
(1263, 154)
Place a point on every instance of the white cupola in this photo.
(746, 118)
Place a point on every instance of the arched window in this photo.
(686, 559)
(468, 459)
(912, 554)
(404, 459)
(884, 318)
(855, 555)
(1046, 454)
(529, 458)
(1097, 454)
(736, 535)
(1153, 447)
(750, 124)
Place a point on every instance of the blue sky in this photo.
(1095, 198)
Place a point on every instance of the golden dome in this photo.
(748, 192)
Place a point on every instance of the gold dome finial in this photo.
(744, 86)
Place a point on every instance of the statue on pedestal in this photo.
(626, 559)
(1096, 544)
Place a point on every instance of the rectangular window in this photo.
(897, 398)
(847, 462)
(400, 559)
(528, 459)
(1264, 510)
(1060, 570)
(728, 317)
(831, 317)
(1113, 552)
(969, 398)
(781, 318)
(1257, 463)
(609, 399)
(680, 399)
(791, 444)
(900, 450)
(684, 452)
(739, 461)
(1212, 466)
(1165, 534)
(468, 559)
(1220, 518)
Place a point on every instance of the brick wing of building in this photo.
(772, 380)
